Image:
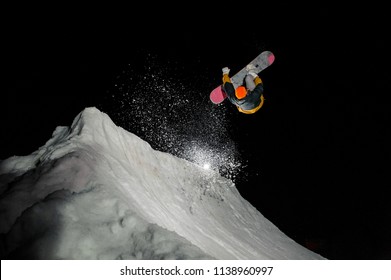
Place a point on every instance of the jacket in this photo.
(252, 102)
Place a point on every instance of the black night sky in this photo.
(318, 152)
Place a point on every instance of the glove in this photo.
(250, 68)
(226, 70)
(253, 74)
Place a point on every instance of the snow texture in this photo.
(97, 191)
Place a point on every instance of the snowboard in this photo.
(261, 62)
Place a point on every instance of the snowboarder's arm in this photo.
(257, 80)
(228, 87)
(226, 79)
(258, 90)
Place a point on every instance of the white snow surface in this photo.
(97, 191)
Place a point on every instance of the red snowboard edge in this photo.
(217, 95)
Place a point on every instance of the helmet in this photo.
(240, 92)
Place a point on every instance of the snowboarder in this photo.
(248, 98)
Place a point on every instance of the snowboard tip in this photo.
(271, 58)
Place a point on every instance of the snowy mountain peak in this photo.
(97, 191)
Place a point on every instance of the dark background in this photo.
(318, 153)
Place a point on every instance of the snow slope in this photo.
(97, 191)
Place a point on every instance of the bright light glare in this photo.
(206, 166)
